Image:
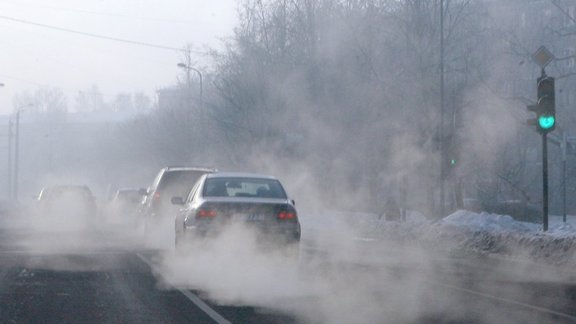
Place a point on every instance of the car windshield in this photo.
(243, 187)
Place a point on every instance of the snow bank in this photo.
(485, 233)
(488, 222)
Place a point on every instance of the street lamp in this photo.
(9, 180)
(17, 150)
(16, 154)
(188, 68)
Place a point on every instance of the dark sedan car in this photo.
(258, 202)
(124, 205)
(66, 206)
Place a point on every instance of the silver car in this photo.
(170, 181)
(258, 202)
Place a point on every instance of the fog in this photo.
(341, 101)
(43, 56)
(343, 280)
(233, 271)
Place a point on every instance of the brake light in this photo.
(205, 213)
(286, 214)
(156, 196)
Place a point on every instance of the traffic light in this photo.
(545, 109)
(450, 154)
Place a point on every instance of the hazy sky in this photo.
(35, 55)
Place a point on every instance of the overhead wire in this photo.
(110, 38)
(93, 35)
(96, 13)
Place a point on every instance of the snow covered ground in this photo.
(462, 231)
(503, 223)
(504, 236)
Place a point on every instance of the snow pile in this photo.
(503, 236)
(466, 231)
(488, 222)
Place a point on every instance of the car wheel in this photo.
(179, 244)
(177, 241)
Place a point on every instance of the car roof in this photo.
(59, 189)
(185, 168)
(66, 187)
(128, 190)
(240, 175)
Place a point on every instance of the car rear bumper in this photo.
(263, 235)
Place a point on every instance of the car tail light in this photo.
(156, 196)
(205, 213)
(286, 215)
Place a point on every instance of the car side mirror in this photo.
(177, 201)
(293, 202)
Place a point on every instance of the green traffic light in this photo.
(452, 162)
(546, 122)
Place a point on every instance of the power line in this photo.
(27, 22)
(96, 13)
(22, 80)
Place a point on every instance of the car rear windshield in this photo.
(66, 190)
(243, 187)
(128, 195)
(178, 182)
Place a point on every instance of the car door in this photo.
(185, 210)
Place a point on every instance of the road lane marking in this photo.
(192, 297)
(203, 306)
(505, 300)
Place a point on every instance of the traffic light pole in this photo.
(544, 182)
(545, 120)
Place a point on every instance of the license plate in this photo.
(243, 217)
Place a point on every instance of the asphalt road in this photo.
(98, 281)
(95, 277)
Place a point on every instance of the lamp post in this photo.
(9, 165)
(188, 68)
(9, 180)
(16, 155)
(17, 151)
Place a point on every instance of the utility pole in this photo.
(441, 131)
